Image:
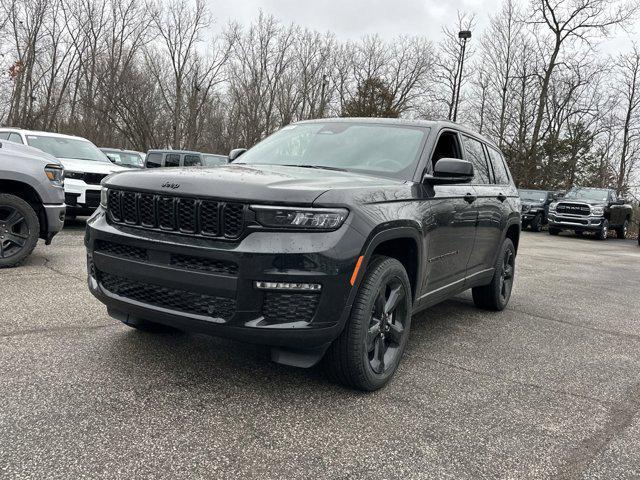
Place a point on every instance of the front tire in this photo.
(368, 351)
(604, 230)
(536, 223)
(495, 296)
(554, 231)
(19, 230)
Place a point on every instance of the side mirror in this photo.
(235, 153)
(450, 170)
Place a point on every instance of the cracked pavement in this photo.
(549, 388)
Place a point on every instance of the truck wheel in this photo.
(367, 352)
(496, 294)
(554, 231)
(524, 226)
(621, 232)
(19, 230)
(536, 223)
(604, 230)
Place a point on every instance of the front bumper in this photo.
(138, 277)
(55, 220)
(529, 215)
(575, 222)
(80, 197)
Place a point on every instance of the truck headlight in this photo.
(300, 218)
(104, 193)
(597, 211)
(55, 174)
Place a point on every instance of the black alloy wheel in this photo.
(496, 294)
(19, 230)
(386, 326)
(506, 277)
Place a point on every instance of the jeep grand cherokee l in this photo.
(320, 241)
(596, 210)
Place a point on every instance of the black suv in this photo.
(320, 241)
(535, 208)
(596, 210)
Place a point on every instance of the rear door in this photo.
(489, 204)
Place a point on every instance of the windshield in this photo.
(61, 147)
(538, 196)
(593, 194)
(388, 150)
(212, 160)
(125, 159)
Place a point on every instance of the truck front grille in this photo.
(574, 209)
(169, 298)
(189, 216)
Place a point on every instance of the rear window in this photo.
(154, 160)
(499, 167)
(172, 160)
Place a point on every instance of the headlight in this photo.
(300, 218)
(597, 210)
(104, 192)
(552, 207)
(55, 174)
(75, 175)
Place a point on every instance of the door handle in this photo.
(502, 197)
(469, 198)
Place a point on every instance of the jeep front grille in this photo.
(184, 215)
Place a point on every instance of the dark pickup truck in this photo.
(321, 241)
(535, 208)
(595, 210)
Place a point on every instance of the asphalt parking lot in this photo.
(549, 388)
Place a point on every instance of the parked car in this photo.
(535, 208)
(31, 200)
(85, 165)
(124, 158)
(320, 241)
(596, 210)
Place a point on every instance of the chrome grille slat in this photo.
(184, 215)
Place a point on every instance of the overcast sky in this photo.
(350, 19)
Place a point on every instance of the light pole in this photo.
(463, 35)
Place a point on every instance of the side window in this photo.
(14, 137)
(448, 146)
(499, 168)
(475, 154)
(154, 160)
(172, 160)
(4, 135)
(192, 161)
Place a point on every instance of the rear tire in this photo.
(495, 295)
(621, 232)
(19, 230)
(368, 351)
(536, 223)
(554, 231)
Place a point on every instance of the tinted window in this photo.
(475, 154)
(192, 161)
(4, 135)
(154, 160)
(499, 167)
(14, 137)
(172, 160)
(390, 150)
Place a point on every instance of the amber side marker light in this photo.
(354, 275)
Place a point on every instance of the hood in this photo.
(252, 183)
(24, 152)
(583, 202)
(90, 166)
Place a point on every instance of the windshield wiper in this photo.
(319, 167)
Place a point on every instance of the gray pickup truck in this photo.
(31, 200)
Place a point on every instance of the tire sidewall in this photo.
(32, 222)
(500, 303)
(383, 271)
(536, 223)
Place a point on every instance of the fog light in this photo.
(306, 287)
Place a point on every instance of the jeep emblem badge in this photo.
(170, 185)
